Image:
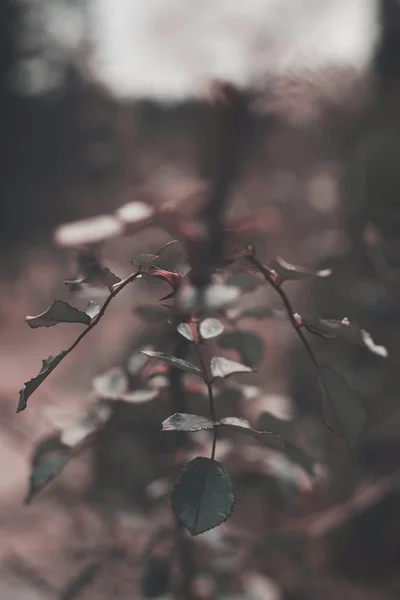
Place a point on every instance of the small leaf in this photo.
(91, 271)
(165, 246)
(334, 329)
(111, 385)
(147, 259)
(286, 271)
(50, 457)
(185, 422)
(144, 259)
(249, 346)
(223, 367)
(246, 281)
(326, 328)
(186, 330)
(58, 312)
(211, 328)
(87, 231)
(172, 361)
(152, 313)
(92, 309)
(202, 497)
(48, 365)
(265, 437)
(343, 410)
(104, 277)
(134, 212)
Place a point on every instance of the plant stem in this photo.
(115, 290)
(184, 546)
(289, 310)
(210, 391)
(221, 155)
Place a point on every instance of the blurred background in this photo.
(323, 167)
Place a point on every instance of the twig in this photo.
(114, 291)
(210, 391)
(117, 288)
(290, 313)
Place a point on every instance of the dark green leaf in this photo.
(152, 313)
(172, 361)
(49, 459)
(342, 411)
(92, 271)
(249, 346)
(186, 422)
(48, 365)
(105, 277)
(223, 367)
(265, 437)
(58, 312)
(202, 497)
(210, 328)
(287, 271)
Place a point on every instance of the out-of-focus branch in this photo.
(224, 141)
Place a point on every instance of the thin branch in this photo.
(115, 290)
(290, 313)
(208, 382)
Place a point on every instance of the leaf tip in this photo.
(21, 402)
